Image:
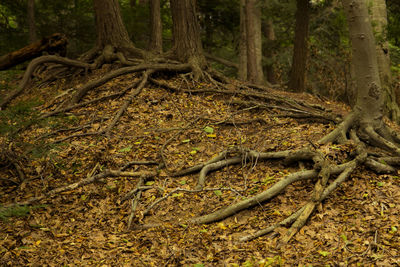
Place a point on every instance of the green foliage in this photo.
(17, 116)
(73, 18)
(17, 211)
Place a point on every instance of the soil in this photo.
(358, 225)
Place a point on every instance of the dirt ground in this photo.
(358, 225)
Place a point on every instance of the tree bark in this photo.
(55, 43)
(110, 29)
(155, 44)
(379, 22)
(254, 42)
(31, 21)
(242, 74)
(370, 97)
(186, 34)
(269, 34)
(299, 62)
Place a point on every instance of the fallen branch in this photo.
(88, 180)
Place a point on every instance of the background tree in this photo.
(155, 43)
(268, 51)
(31, 21)
(242, 74)
(300, 51)
(253, 42)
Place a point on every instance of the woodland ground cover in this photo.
(356, 225)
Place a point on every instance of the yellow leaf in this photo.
(222, 226)
(37, 243)
(211, 135)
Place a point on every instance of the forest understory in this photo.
(108, 183)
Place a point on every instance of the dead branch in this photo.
(88, 180)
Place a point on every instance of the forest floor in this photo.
(357, 225)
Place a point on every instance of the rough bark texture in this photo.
(299, 62)
(109, 26)
(31, 21)
(253, 39)
(379, 22)
(186, 32)
(155, 44)
(55, 43)
(242, 75)
(369, 102)
(269, 35)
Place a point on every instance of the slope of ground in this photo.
(357, 225)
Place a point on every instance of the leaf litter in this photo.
(357, 225)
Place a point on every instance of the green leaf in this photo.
(380, 184)
(218, 193)
(125, 149)
(324, 253)
(198, 265)
(183, 182)
(149, 183)
(186, 141)
(208, 129)
(193, 152)
(183, 225)
(344, 237)
(177, 194)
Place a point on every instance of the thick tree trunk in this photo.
(370, 98)
(269, 34)
(186, 33)
(379, 22)
(55, 43)
(242, 74)
(109, 26)
(299, 62)
(31, 21)
(155, 44)
(254, 43)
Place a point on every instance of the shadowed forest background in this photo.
(199, 133)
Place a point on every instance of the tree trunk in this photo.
(269, 34)
(379, 22)
(187, 45)
(55, 43)
(254, 42)
(299, 62)
(155, 44)
(109, 26)
(242, 75)
(31, 21)
(369, 102)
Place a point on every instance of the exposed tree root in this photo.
(88, 180)
(145, 77)
(31, 68)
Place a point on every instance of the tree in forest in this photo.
(270, 38)
(31, 21)
(299, 62)
(155, 43)
(187, 45)
(111, 32)
(363, 126)
(250, 66)
(379, 22)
